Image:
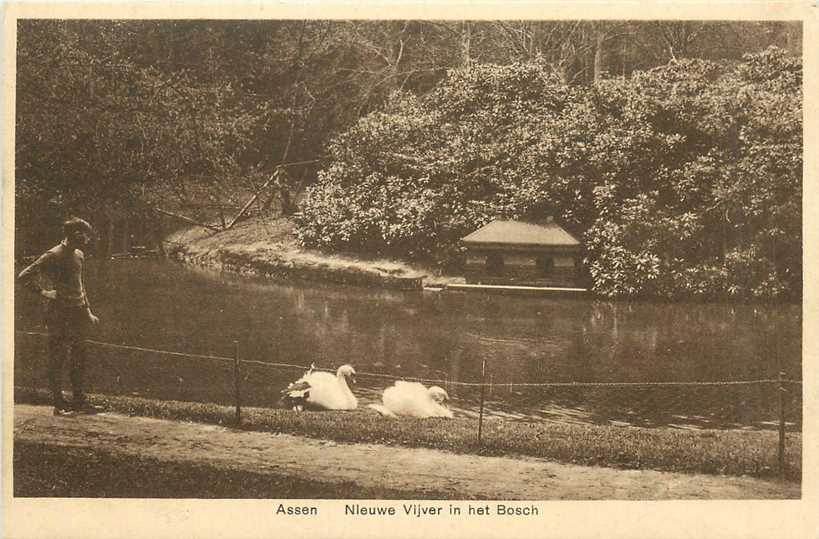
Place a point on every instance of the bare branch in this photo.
(186, 219)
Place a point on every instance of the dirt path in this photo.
(376, 466)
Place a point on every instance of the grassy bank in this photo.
(267, 247)
(752, 453)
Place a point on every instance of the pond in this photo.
(443, 336)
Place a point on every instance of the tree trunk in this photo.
(126, 235)
(159, 234)
(108, 244)
(599, 55)
(286, 201)
(466, 44)
(103, 246)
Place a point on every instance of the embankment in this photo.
(267, 248)
(725, 452)
(213, 461)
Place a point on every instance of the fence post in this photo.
(483, 391)
(781, 425)
(236, 389)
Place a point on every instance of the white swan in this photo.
(414, 400)
(322, 390)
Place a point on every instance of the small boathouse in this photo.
(522, 253)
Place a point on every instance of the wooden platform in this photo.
(513, 289)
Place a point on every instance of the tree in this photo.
(98, 131)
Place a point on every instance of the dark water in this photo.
(443, 336)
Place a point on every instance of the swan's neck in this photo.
(342, 380)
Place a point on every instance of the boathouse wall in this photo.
(533, 267)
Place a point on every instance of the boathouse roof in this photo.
(521, 233)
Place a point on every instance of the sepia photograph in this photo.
(427, 268)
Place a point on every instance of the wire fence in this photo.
(449, 382)
(229, 368)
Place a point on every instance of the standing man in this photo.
(68, 314)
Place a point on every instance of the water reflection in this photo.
(443, 336)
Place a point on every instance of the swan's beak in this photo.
(352, 379)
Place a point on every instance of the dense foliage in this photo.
(436, 126)
(683, 180)
(186, 109)
(101, 132)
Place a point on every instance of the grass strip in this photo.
(729, 452)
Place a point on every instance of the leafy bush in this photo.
(684, 180)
